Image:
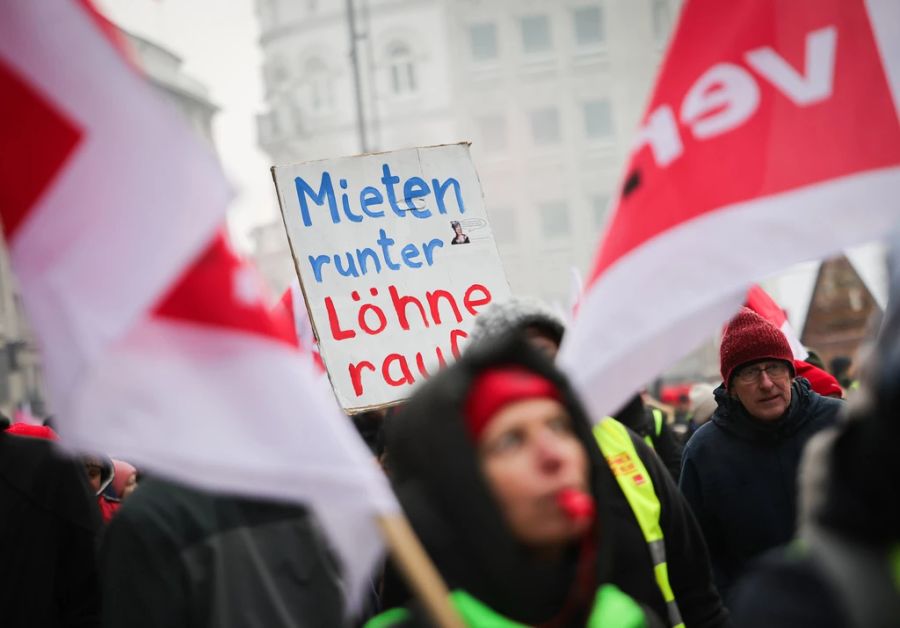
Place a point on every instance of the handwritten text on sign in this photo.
(396, 258)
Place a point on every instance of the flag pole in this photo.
(418, 570)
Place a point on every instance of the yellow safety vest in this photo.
(657, 426)
(631, 474)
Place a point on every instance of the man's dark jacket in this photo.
(739, 475)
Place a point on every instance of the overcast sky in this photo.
(218, 41)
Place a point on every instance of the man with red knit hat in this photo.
(739, 470)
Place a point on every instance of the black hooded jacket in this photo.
(49, 527)
(740, 476)
(439, 483)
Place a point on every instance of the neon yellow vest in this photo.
(631, 474)
(657, 426)
(611, 608)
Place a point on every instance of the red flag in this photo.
(293, 306)
(156, 339)
(772, 137)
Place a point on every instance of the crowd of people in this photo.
(533, 512)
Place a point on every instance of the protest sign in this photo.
(395, 257)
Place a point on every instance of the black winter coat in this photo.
(739, 475)
(49, 526)
(177, 557)
(439, 483)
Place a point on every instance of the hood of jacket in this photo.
(437, 477)
(732, 417)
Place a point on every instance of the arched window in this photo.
(403, 70)
(318, 85)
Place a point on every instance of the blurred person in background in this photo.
(649, 423)
(100, 472)
(125, 479)
(498, 469)
(740, 469)
(49, 527)
(843, 571)
(175, 556)
(703, 404)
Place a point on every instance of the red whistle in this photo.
(577, 506)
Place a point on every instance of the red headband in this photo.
(495, 388)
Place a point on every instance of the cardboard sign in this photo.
(396, 258)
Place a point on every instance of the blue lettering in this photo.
(441, 189)
(436, 243)
(415, 187)
(385, 243)
(350, 271)
(326, 190)
(317, 262)
(409, 253)
(371, 196)
(389, 180)
(361, 255)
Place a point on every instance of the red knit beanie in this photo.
(495, 388)
(750, 338)
(34, 431)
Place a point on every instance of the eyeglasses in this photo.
(750, 374)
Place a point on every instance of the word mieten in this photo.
(370, 197)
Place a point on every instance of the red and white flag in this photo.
(157, 342)
(293, 305)
(763, 304)
(771, 137)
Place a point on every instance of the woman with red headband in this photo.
(496, 467)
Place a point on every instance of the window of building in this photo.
(318, 85)
(598, 119)
(555, 221)
(600, 206)
(503, 225)
(588, 25)
(545, 126)
(536, 33)
(662, 19)
(275, 73)
(492, 130)
(483, 41)
(403, 70)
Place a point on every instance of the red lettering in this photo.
(434, 301)
(471, 303)
(400, 304)
(407, 377)
(336, 332)
(379, 314)
(420, 361)
(356, 375)
(455, 335)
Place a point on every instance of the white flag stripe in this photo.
(135, 178)
(885, 20)
(748, 241)
(289, 442)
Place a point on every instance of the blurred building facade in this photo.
(21, 384)
(549, 93)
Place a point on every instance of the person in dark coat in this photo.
(49, 527)
(178, 557)
(843, 570)
(440, 469)
(739, 471)
(643, 421)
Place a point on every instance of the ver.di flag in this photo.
(156, 340)
(771, 138)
